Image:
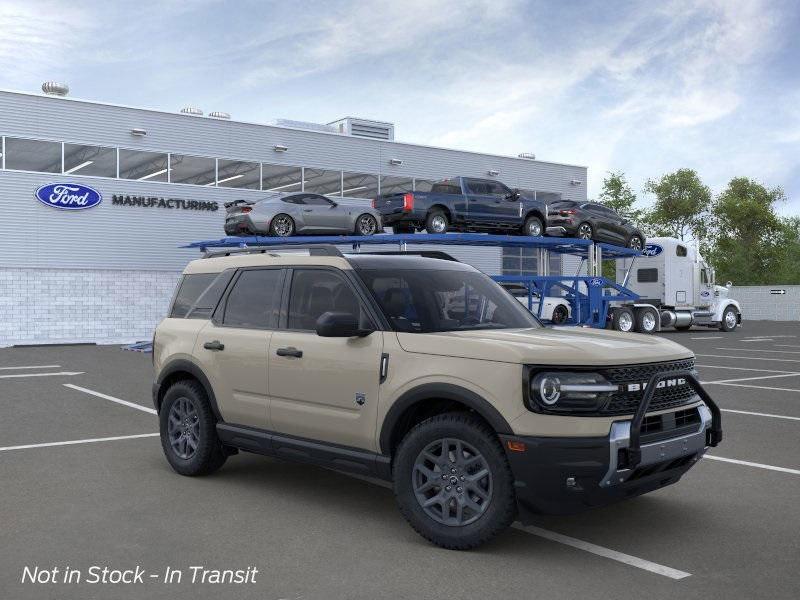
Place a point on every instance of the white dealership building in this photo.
(106, 272)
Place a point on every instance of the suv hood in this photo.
(567, 346)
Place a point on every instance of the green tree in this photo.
(618, 195)
(681, 206)
(751, 245)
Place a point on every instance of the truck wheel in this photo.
(560, 314)
(729, 319)
(282, 225)
(623, 320)
(453, 483)
(188, 430)
(646, 320)
(436, 222)
(533, 227)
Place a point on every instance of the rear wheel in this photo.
(635, 242)
(646, 320)
(729, 319)
(189, 430)
(436, 222)
(560, 314)
(366, 224)
(623, 320)
(585, 231)
(453, 483)
(281, 226)
(533, 227)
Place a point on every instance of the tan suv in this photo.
(421, 371)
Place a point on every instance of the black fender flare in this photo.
(439, 391)
(181, 365)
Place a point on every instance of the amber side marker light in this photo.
(516, 446)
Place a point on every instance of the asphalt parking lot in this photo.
(84, 483)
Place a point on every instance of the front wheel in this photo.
(635, 242)
(560, 314)
(585, 231)
(366, 224)
(729, 319)
(453, 483)
(189, 430)
(533, 227)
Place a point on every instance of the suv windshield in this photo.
(426, 301)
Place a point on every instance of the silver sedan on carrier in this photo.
(283, 215)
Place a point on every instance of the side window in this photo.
(647, 275)
(475, 186)
(317, 291)
(294, 199)
(498, 189)
(703, 276)
(315, 200)
(446, 187)
(680, 250)
(189, 290)
(253, 302)
(208, 300)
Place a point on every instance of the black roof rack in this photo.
(424, 253)
(313, 250)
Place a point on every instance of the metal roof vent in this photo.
(219, 115)
(53, 88)
(375, 130)
(303, 125)
(191, 110)
(527, 155)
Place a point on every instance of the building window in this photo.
(90, 160)
(143, 166)
(321, 181)
(279, 178)
(520, 261)
(396, 185)
(33, 155)
(238, 174)
(196, 170)
(359, 185)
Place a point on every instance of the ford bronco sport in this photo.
(426, 373)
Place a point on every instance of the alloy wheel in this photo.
(439, 224)
(452, 482)
(367, 225)
(635, 243)
(282, 225)
(585, 231)
(184, 428)
(534, 228)
(625, 322)
(730, 319)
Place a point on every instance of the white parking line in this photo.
(752, 464)
(707, 337)
(18, 375)
(762, 337)
(758, 414)
(633, 561)
(757, 340)
(743, 369)
(31, 367)
(152, 411)
(787, 346)
(73, 442)
(749, 358)
(757, 387)
(759, 350)
(745, 378)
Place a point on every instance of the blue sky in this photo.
(641, 87)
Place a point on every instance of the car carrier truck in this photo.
(676, 289)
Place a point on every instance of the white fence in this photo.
(768, 302)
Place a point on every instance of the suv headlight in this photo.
(564, 391)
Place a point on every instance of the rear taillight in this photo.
(408, 202)
(246, 209)
(374, 203)
(570, 211)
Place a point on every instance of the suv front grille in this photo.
(626, 402)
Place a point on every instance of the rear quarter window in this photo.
(198, 294)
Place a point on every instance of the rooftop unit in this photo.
(376, 130)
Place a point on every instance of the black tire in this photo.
(585, 231)
(209, 454)
(560, 314)
(623, 320)
(533, 227)
(729, 323)
(434, 220)
(643, 323)
(635, 242)
(498, 512)
(361, 227)
(276, 226)
(398, 229)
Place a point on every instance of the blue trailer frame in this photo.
(589, 296)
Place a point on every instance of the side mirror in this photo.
(340, 324)
(334, 204)
(514, 195)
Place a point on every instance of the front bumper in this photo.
(569, 475)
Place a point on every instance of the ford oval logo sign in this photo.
(68, 196)
(595, 282)
(652, 250)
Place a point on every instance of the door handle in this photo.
(293, 352)
(307, 210)
(215, 345)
